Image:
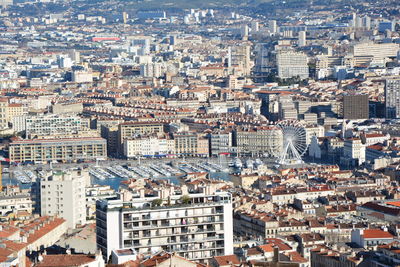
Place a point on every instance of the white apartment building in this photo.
(377, 51)
(197, 230)
(148, 146)
(221, 142)
(314, 130)
(151, 70)
(62, 194)
(14, 200)
(354, 150)
(48, 125)
(292, 64)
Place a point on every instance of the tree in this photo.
(156, 202)
(185, 199)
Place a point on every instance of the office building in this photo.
(197, 229)
(355, 107)
(392, 97)
(292, 64)
(62, 150)
(62, 194)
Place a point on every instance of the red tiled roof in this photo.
(226, 260)
(65, 260)
(376, 233)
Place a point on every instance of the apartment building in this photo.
(392, 94)
(15, 200)
(62, 194)
(354, 151)
(292, 64)
(197, 229)
(149, 146)
(134, 129)
(3, 113)
(191, 144)
(220, 142)
(50, 125)
(377, 51)
(258, 141)
(63, 149)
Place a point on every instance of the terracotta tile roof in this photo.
(7, 231)
(296, 257)
(376, 233)
(65, 260)
(157, 259)
(48, 225)
(227, 260)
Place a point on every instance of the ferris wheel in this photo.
(294, 143)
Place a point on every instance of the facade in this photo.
(302, 38)
(134, 129)
(378, 51)
(354, 150)
(52, 125)
(65, 149)
(148, 146)
(259, 141)
(63, 194)
(392, 94)
(13, 201)
(240, 56)
(355, 107)
(220, 142)
(190, 144)
(292, 64)
(199, 230)
(3, 113)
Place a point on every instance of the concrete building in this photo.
(220, 142)
(292, 64)
(355, 107)
(302, 38)
(377, 51)
(259, 141)
(51, 125)
(272, 26)
(240, 56)
(148, 146)
(354, 152)
(200, 230)
(63, 149)
(134, 129)
(191, 144)
(62, 193)
(14, 200)
(392, 95)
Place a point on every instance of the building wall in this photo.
(58, 149)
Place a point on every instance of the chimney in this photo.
(142, 192)
(275, 259)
